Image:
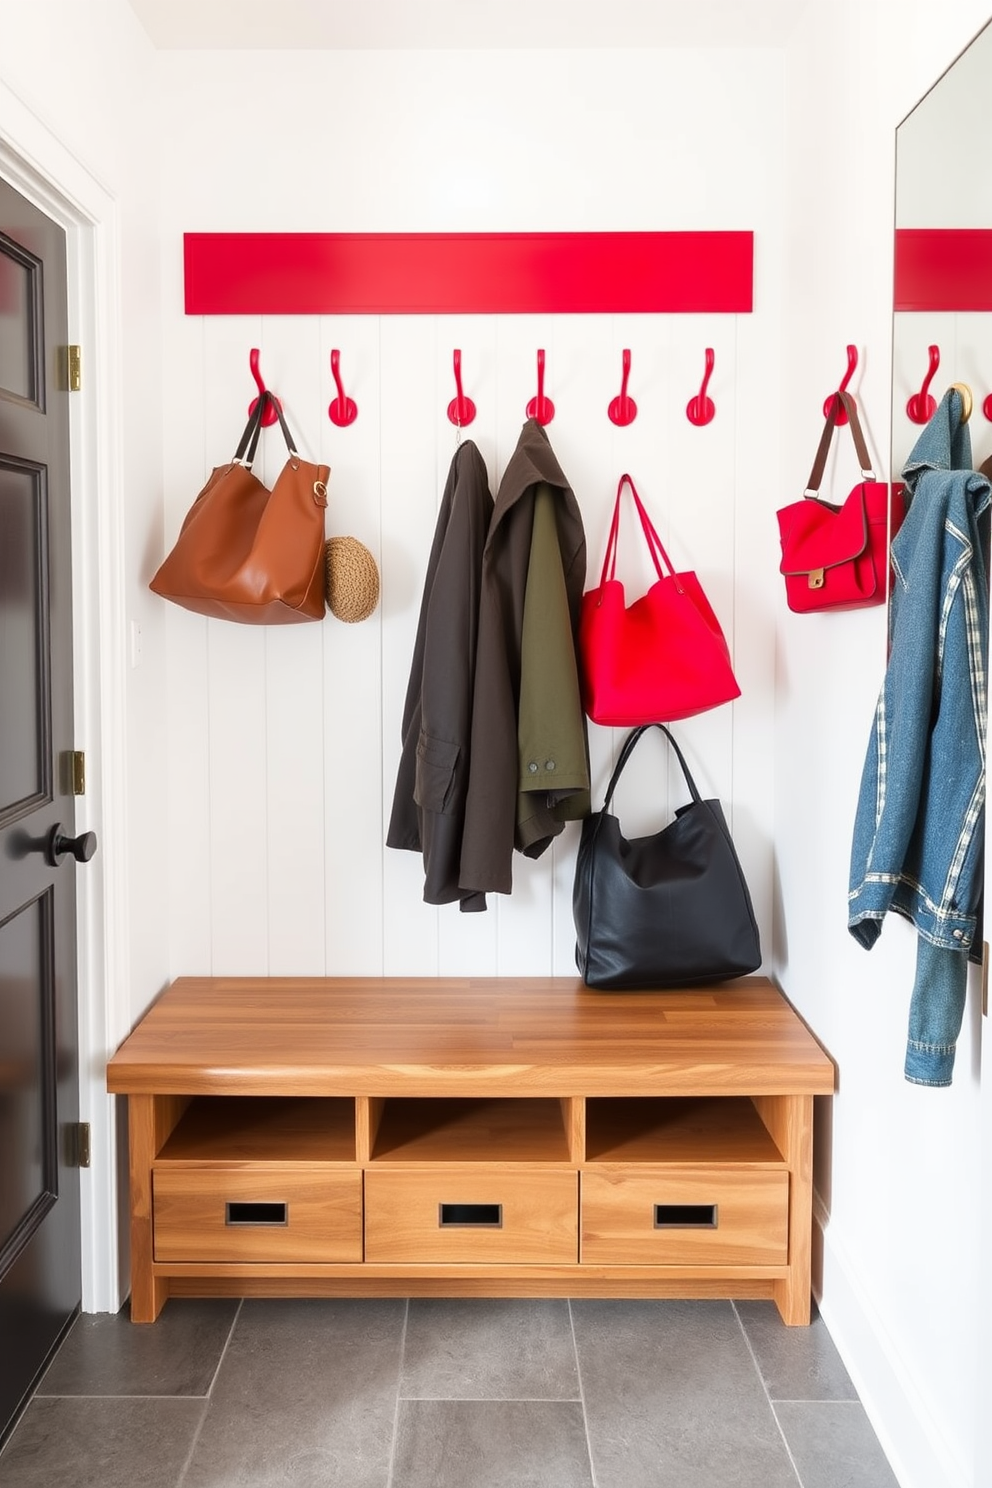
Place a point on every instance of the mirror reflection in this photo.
(943, 289)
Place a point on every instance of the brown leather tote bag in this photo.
(248, 554)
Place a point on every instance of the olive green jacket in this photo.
(529, 750)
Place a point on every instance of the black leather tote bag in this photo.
(670, 910)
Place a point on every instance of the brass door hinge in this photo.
(78, 1144)
(74, 367)
(77, 761)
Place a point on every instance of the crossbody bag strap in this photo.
(627, 750)
(839, 400)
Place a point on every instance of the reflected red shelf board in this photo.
(943, 268)
(462, 273)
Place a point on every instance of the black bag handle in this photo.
(629, 745)
(248, 444)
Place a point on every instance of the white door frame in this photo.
(44, 170)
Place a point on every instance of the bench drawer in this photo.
(675, 1216)
(257, 1214)
(451, 1215)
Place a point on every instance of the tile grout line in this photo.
(119, 1395)
(492, 1399)
(207, 1398)
(399, 1385)
(582, 1394)
(771, 1403)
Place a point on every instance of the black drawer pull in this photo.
(685, 1217)
(482, 1216)
(257, 1214)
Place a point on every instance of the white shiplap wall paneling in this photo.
(291, 737)
(294, 665)
(239, 764)
(188, 458)
(755, 478)
(353, 753)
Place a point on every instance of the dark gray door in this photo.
(39, 1079)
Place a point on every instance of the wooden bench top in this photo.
(474, 1036)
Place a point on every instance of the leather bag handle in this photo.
(627, 750)
(861, 448)
(655, 547)
(248, 444)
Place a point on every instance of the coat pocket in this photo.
(435, 776)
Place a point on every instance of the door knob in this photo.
(57, 845)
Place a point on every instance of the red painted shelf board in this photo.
(465, 273)
(943, 269)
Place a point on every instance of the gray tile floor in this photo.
(446, 1394)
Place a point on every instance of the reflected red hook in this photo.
(840, 417)
(343, 410)
(700, 409)
(623, 410)
(922, 406)
(461, 410)
(270, 415)
(541, 408)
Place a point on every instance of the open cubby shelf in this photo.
(446, 1130)
(679, 1129)
(262, 1129)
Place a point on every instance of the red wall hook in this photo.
(461, 410)
(623, 410)
(840, 417)
(700, 409)
(270, 415)
(541, 408)
(922, 405)
(343, 410)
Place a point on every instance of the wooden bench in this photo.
(521, 1136)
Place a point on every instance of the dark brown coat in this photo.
(432, 780)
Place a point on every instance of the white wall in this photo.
(88, 75)
(899, 1166)
(77, 111)
(284, 749)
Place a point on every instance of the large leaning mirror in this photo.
(942, 340)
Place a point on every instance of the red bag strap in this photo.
(655, 547)
(819, 464)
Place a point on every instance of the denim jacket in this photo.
(919, 827)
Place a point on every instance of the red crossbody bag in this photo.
(837, 557)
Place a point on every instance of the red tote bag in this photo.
(660, 659)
